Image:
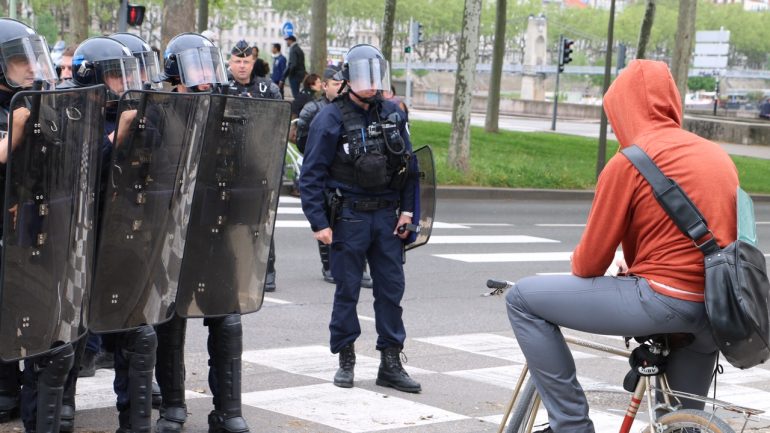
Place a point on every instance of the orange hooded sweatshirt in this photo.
(644, 108)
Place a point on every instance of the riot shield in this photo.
(147, 188)
(425, 208)
(233, 211)
(48, 220)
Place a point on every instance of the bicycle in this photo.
(666, 416)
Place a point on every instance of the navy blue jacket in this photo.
(279, 68)
(323, 143)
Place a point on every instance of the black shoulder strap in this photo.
(673, 200)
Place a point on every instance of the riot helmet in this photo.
(366, 72)
(102, 60)
(24, 56)
(192, 60)
(149, 65)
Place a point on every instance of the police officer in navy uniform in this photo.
(192, 64)
(24, 62)
(358, 193)
(243, 83)
(107, 61)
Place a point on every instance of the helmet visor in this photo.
(202, 65)
(26, 60)
(369, 75)
(149, 68)
(120, 76)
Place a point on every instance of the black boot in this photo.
(170, 374)
(67, 418)
(87, 364)
(10, 383)
(225, 346)
(270, 278)
(139, 349)
(157, 398)
(344, 376)
(392, 373)
(52, 373)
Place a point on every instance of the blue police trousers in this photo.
(359, 235)
(623, 306)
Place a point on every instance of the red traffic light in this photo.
(135, 15)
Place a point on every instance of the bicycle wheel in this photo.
(525, 409)
(693, 421)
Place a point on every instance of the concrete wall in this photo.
(748, 131)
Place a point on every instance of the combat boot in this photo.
(170, 374)
(344, 376)
(157, 398)
(225, 349)
(392, 373)
(9, 391)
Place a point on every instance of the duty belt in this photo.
(368, 204)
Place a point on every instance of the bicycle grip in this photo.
(497, 284)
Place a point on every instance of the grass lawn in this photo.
(541, 160)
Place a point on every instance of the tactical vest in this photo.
(258, 88)
(372, 157)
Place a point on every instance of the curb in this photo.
(483, 193)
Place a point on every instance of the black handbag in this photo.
(737, 288)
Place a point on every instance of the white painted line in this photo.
(511, 239)
(492, 345)
(292, 224)
(275, 300)
(440, 225)
(366, 318)
(486, 224)
(353, 410)
(317, 362)
(762, 222)
(508, 257)
(283, 210)
(603, 421)
(287, 199)
(560, 225)
(96, 392)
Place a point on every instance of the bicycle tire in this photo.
(524, 410)
(693, 421)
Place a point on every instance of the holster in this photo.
(333, 205)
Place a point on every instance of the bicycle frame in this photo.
(670, 402)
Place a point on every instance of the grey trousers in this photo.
(624, 306)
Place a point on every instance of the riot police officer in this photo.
(358, 165)
(103, 60)
(243, 83)
(193, 64)
(25, 62)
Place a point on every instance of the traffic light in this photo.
(415, 33)
(419, 32)
(135, 15)
(566, 53)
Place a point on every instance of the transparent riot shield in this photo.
(425, 209)
(147, 189)
(48, 220)
(234, 208)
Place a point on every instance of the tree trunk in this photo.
(203, 15)
(685, 33)
(79, 21)
(498, 51)
(178, 17)
(460, 139)
(318, 36)
(644, 32)
(386, 44)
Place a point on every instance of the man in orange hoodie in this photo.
(661, 288)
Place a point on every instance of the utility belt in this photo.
(335, 202)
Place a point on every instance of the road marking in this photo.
(304, 223)
(493, 345)
(275, 300)
(511, 239)
(287, 199)
(96, 392)
(508, 257)
(560, 225)
(603, 421)
(486, 224)
(283, 210)
(366, 318)
(317, 362)
(349, 410)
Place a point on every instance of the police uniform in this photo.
(363, 227)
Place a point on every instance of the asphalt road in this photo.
(459, 346)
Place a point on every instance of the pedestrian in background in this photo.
(295, 68)
(261, 69)
(279, 66)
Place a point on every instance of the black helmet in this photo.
(148, 60)
(24, 56)
(365, 68)
(192, 59)
(102, 60)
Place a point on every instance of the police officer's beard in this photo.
(377, 97)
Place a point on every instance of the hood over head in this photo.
(643, 97)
